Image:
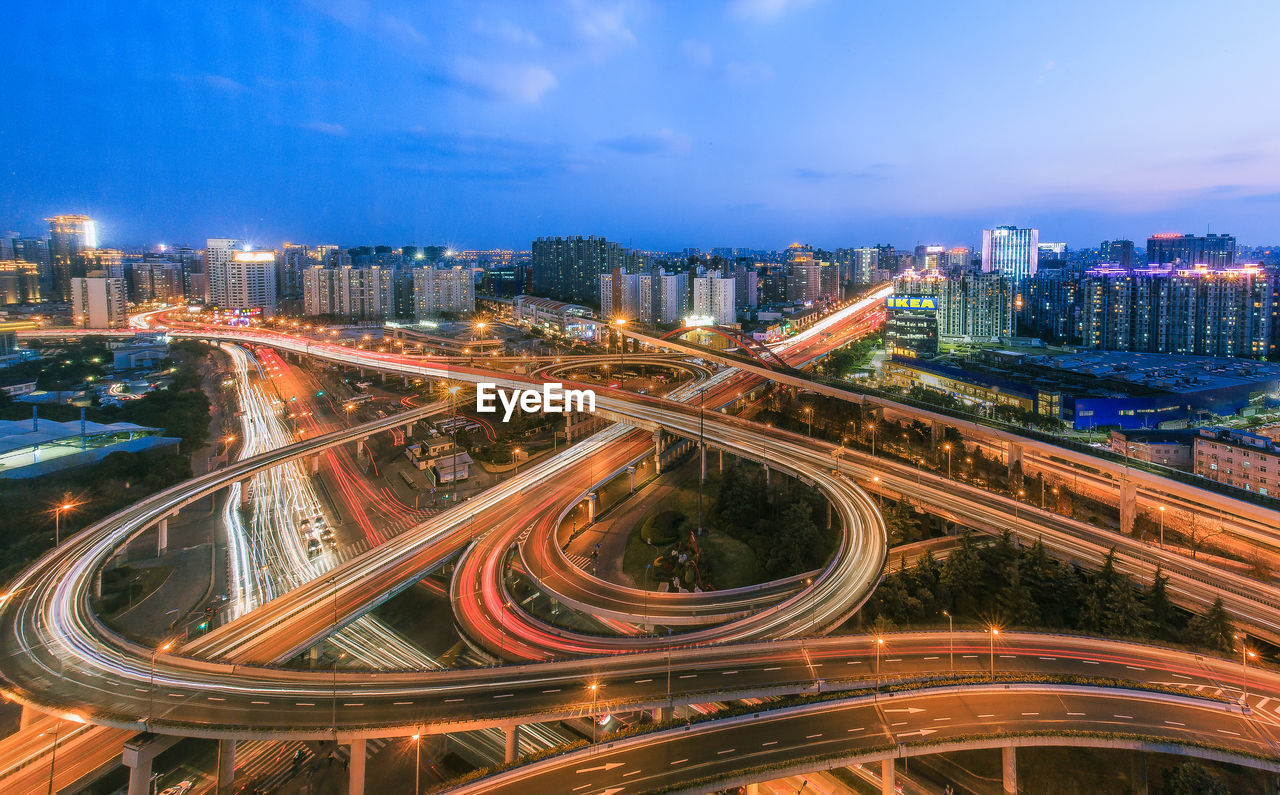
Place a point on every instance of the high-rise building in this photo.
(1011, 251)
(70, 236)
(1117, 252)
(437, 290)
(670, 296)
(863, 263)
(930, 258)
(294, 261)
(98, 302)
(353, 294)
(19, 282)
(626, 295)
(217, 256)
(1216, 251)
(158, 281)
(713, 297)
(569, 268)
(1052, 250)
(968, 303)
(247, 282)
(746, 281)
(959, 258)
(36, 250)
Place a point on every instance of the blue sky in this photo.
(741, 123)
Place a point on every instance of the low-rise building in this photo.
(1245, 460)
(1172, 448)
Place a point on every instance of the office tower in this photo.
(110, 261)
(1216, 251)
(294, 260)
(70, 236)
(862, 266)
(886, 263)
(746, 284)
(713, 297)
(98, 302)
(1052, 250)
(247, 282)
(19, 282)
(959, 258)
(968, 303)
(217, 257)
(158, 281)
(670, 296)
(1010, 251)
(437, 290)
(930, 258)
(1117, 252)
(626, 295)
(911, 335)
(569, 268)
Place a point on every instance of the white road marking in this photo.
(766, 745)
(1174, 723)
(986, 716)
(215, 698)
(1126, 717)
(680, 761)
(552, 690)
(727, 673)
(725, 751)
(504, 695)
(812, 736)
(400, 703)
(1224, 731)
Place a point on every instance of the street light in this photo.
(57, 521)
(1162, 527)
(417, 763)
(879, 644)
(1245, 655)
(808, 414)
(515, 456)
(151, 695)
(994, 631)
(622, 341)
(595, 695)
(947, 447)
(951, 639)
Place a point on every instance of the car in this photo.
(181, 788)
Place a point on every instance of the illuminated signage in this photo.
(922, 302)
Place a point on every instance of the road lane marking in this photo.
(854, 662)
(774, 668)
(727, 673)
(899, 723)
(812, 736)
(1008, 656)
(400, 703)
(607, 766)
(688, 676)
(1134, 668)
(504, 695)
(180, 695)
(140, 689)
(552, 690)
(986, 716)
(938, 719)
(1048, 658)
(854, 730)
(1174, 723)
(215, 698)
(967, 656)
(893, 659)
(632, 773)
(354, 704)
(766, 745)
(725, 751)
(1075, 714)
(258, 702)
(680, 761)
(304, 703)
(1182, 676)
(1091, 662)
(931, 658)
(1030, 714)
(1224, 731)
(1126, 717)
(642, 681)
(451, 700)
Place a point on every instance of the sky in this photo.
(748, 123)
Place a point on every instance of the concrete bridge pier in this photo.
(244, 492)
(888, 777)
(162, 537)
(1128, 505)
(139, 772)
(355, 782)
(1009, 764)
(315, 464)
(513, 743)
(1015, 458)
(384, 376)
(406, 380)
(29, 716)
(1138, 776)
(593, 504)
(226, 763)
(631, 472)
(408, 430)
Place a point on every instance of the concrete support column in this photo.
(140, 776)
(1009, 763)
(888, 777)
(313, 654)
(753, 789)
(1138, 778)
(593, 504)
(315, 465)
(408, 430)
(935, 432)
(1015, 457)
(162, 537)
(768, 481)
(226, 763)
(244, 491)
(513, 743)
(29, 716)
(721, 460)
(384, 376)
(355, 784)
(1128, 505)
(657, 451)
(631, 472)
(406, 380)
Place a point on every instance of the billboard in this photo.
(927, 303)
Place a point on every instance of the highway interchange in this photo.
(44, 614)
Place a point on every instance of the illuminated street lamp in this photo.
(57, 521)
(951, 639)
(947, 447)
(151, 705)
(515, 456)
(879, 645)
(417, 763)
(595, 695)
(992, 638)
(808, 415)
(1245, 655)
(1162, 527)
(622, 341)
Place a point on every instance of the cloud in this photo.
(602, 24)
(515, 82)
(327, 128)
(697, 52)
(219, 83)
(477, 155)
(508, 31)
(662, 142)
(872, 172)
(362, 17)
(763, 10)
(754, 73)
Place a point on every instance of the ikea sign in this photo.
(922, 302)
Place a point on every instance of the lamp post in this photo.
(1162, 527)
(151, 694)
(595, 694)
(57, 521)
(417, 763)
(702, 452)
(1245, 654)
(622, 341)
(879, 645)
(994, 631)
(813, 603)
(453, 423)
(808, 415)
(947, 447)
(515, 456)
(951, 639)
(53, 756)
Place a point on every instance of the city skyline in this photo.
(491, 125)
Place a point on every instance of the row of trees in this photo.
(1006, 585)
(785, 525)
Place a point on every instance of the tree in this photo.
(1163, 614)
(1212, 628)
(1193, 778)
(900, 522)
